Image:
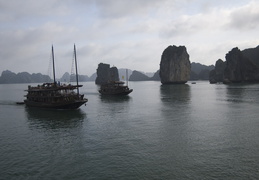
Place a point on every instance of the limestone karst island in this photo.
(175, 67)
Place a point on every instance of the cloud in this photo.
(245, 17)
(31, 47)
(211, 18)
(119, 9)
(13, 10)
(191, 25)
(127, 33)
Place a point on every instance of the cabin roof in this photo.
(52, 87)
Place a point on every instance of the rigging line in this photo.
(49, 72)
(72, 74)
(77, 67)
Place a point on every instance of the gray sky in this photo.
(124, 33)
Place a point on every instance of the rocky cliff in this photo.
(9, 77)
(72, 78)
(175, 66)
(93, 77)
(217, 74)
(138, 76)
(156, 76)
(106, 74)
(200, 71)
(252, 54)
(237, 68)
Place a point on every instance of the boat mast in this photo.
(76, 70)
(127, 76)
(53, 62)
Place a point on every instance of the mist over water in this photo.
(190, 131)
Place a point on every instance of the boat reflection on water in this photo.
(55, 119)
(114, 99)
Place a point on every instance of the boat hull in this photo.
(66, 105)
(115, 93)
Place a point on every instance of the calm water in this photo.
(191, 131)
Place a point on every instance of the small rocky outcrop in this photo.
(175, 66)
(216, 75)
(138, 76)
(93, 77)
(200, 71)
(72, 78)
(106, 74)
(156, 76)
(65, 77)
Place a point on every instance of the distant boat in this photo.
(115, 88)
(55, 95)
(19, 103)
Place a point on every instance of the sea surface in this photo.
(191, 131)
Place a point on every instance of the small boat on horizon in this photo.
(55, 95)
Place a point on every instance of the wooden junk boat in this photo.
(54, 95)
(115, 88)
